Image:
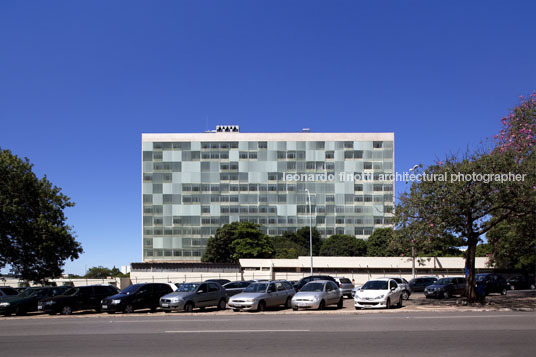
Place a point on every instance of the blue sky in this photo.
(81, 80)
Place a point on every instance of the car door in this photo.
(331, 293)
(213, 294)
(143, 296)
(394, 291)
(272, 299)
(202, 295)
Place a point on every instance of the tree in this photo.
(301, 237)
(250, 242)
(343, 245)
(287, 249)
(456, 201)
(378, 242)
(512, 244)
(101, 272)
(426, 241)
(35, 240)
(237, 240)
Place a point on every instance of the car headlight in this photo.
(176, 299)
(315, 298)
(51, 302)
(115, 302)
(4, 304)
(249, 300)
(379, 297)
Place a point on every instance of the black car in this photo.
(493, 283)
(445, 288)
(521, 282)
(300, 284)
(419, 284)
(222, 282)
(28, 299)
(78, 298)
(236, 287)
(136, 297)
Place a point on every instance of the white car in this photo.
(378, 293)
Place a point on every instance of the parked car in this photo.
(355, 290)
(493, 283)
(236, 287)
(195, 295)
(307, 279)
(445, 288)
(317, 295)
(136, 297)
(521, 282)
(222, 282)
(7, 291)
(259, 296)
(403, 285)
(418, 284)
(378, 293)
(27, 300)
(77, 298)
(345, 285)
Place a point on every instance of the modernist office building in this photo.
(195, 183)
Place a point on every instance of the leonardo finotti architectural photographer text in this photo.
(405, 177)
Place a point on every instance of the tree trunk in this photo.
(470, 265)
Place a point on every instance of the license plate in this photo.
(165, 305)
(40, 308)
(104, 306)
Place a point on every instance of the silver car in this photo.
(259, 296)
(346, 286)
(317, 295)
(404, 286)
(195, 295)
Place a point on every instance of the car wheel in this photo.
(340, 303)
(189, 307)
(20, 311)
(236, 310)
(357, 308)
(503, 291)
(349, 296)
(388, 303)
(288, 305)
(153, 308)
(400, 301)
(66, 310)
(262, 306)
(295, 308)
(322, 305)
(405, 295)
(6, 314)
(128, 309)
(221, 304)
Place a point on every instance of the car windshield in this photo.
(71, 291)
(188, 288)
(375, 285)
(256, 288)
(444, 281)
(318, 287)
(131, 289)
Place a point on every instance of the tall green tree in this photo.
(301, 237)
(237, 240)
(250, 242)
(343, 245)
(378, 242)
(35, 240)
(287, 249)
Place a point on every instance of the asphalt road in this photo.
(401, 334)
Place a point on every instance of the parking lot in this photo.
(518, 300)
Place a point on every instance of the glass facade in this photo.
(192, 187)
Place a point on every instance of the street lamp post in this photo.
(310, 229)
(412, 238)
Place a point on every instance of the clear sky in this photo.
(81, 80)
